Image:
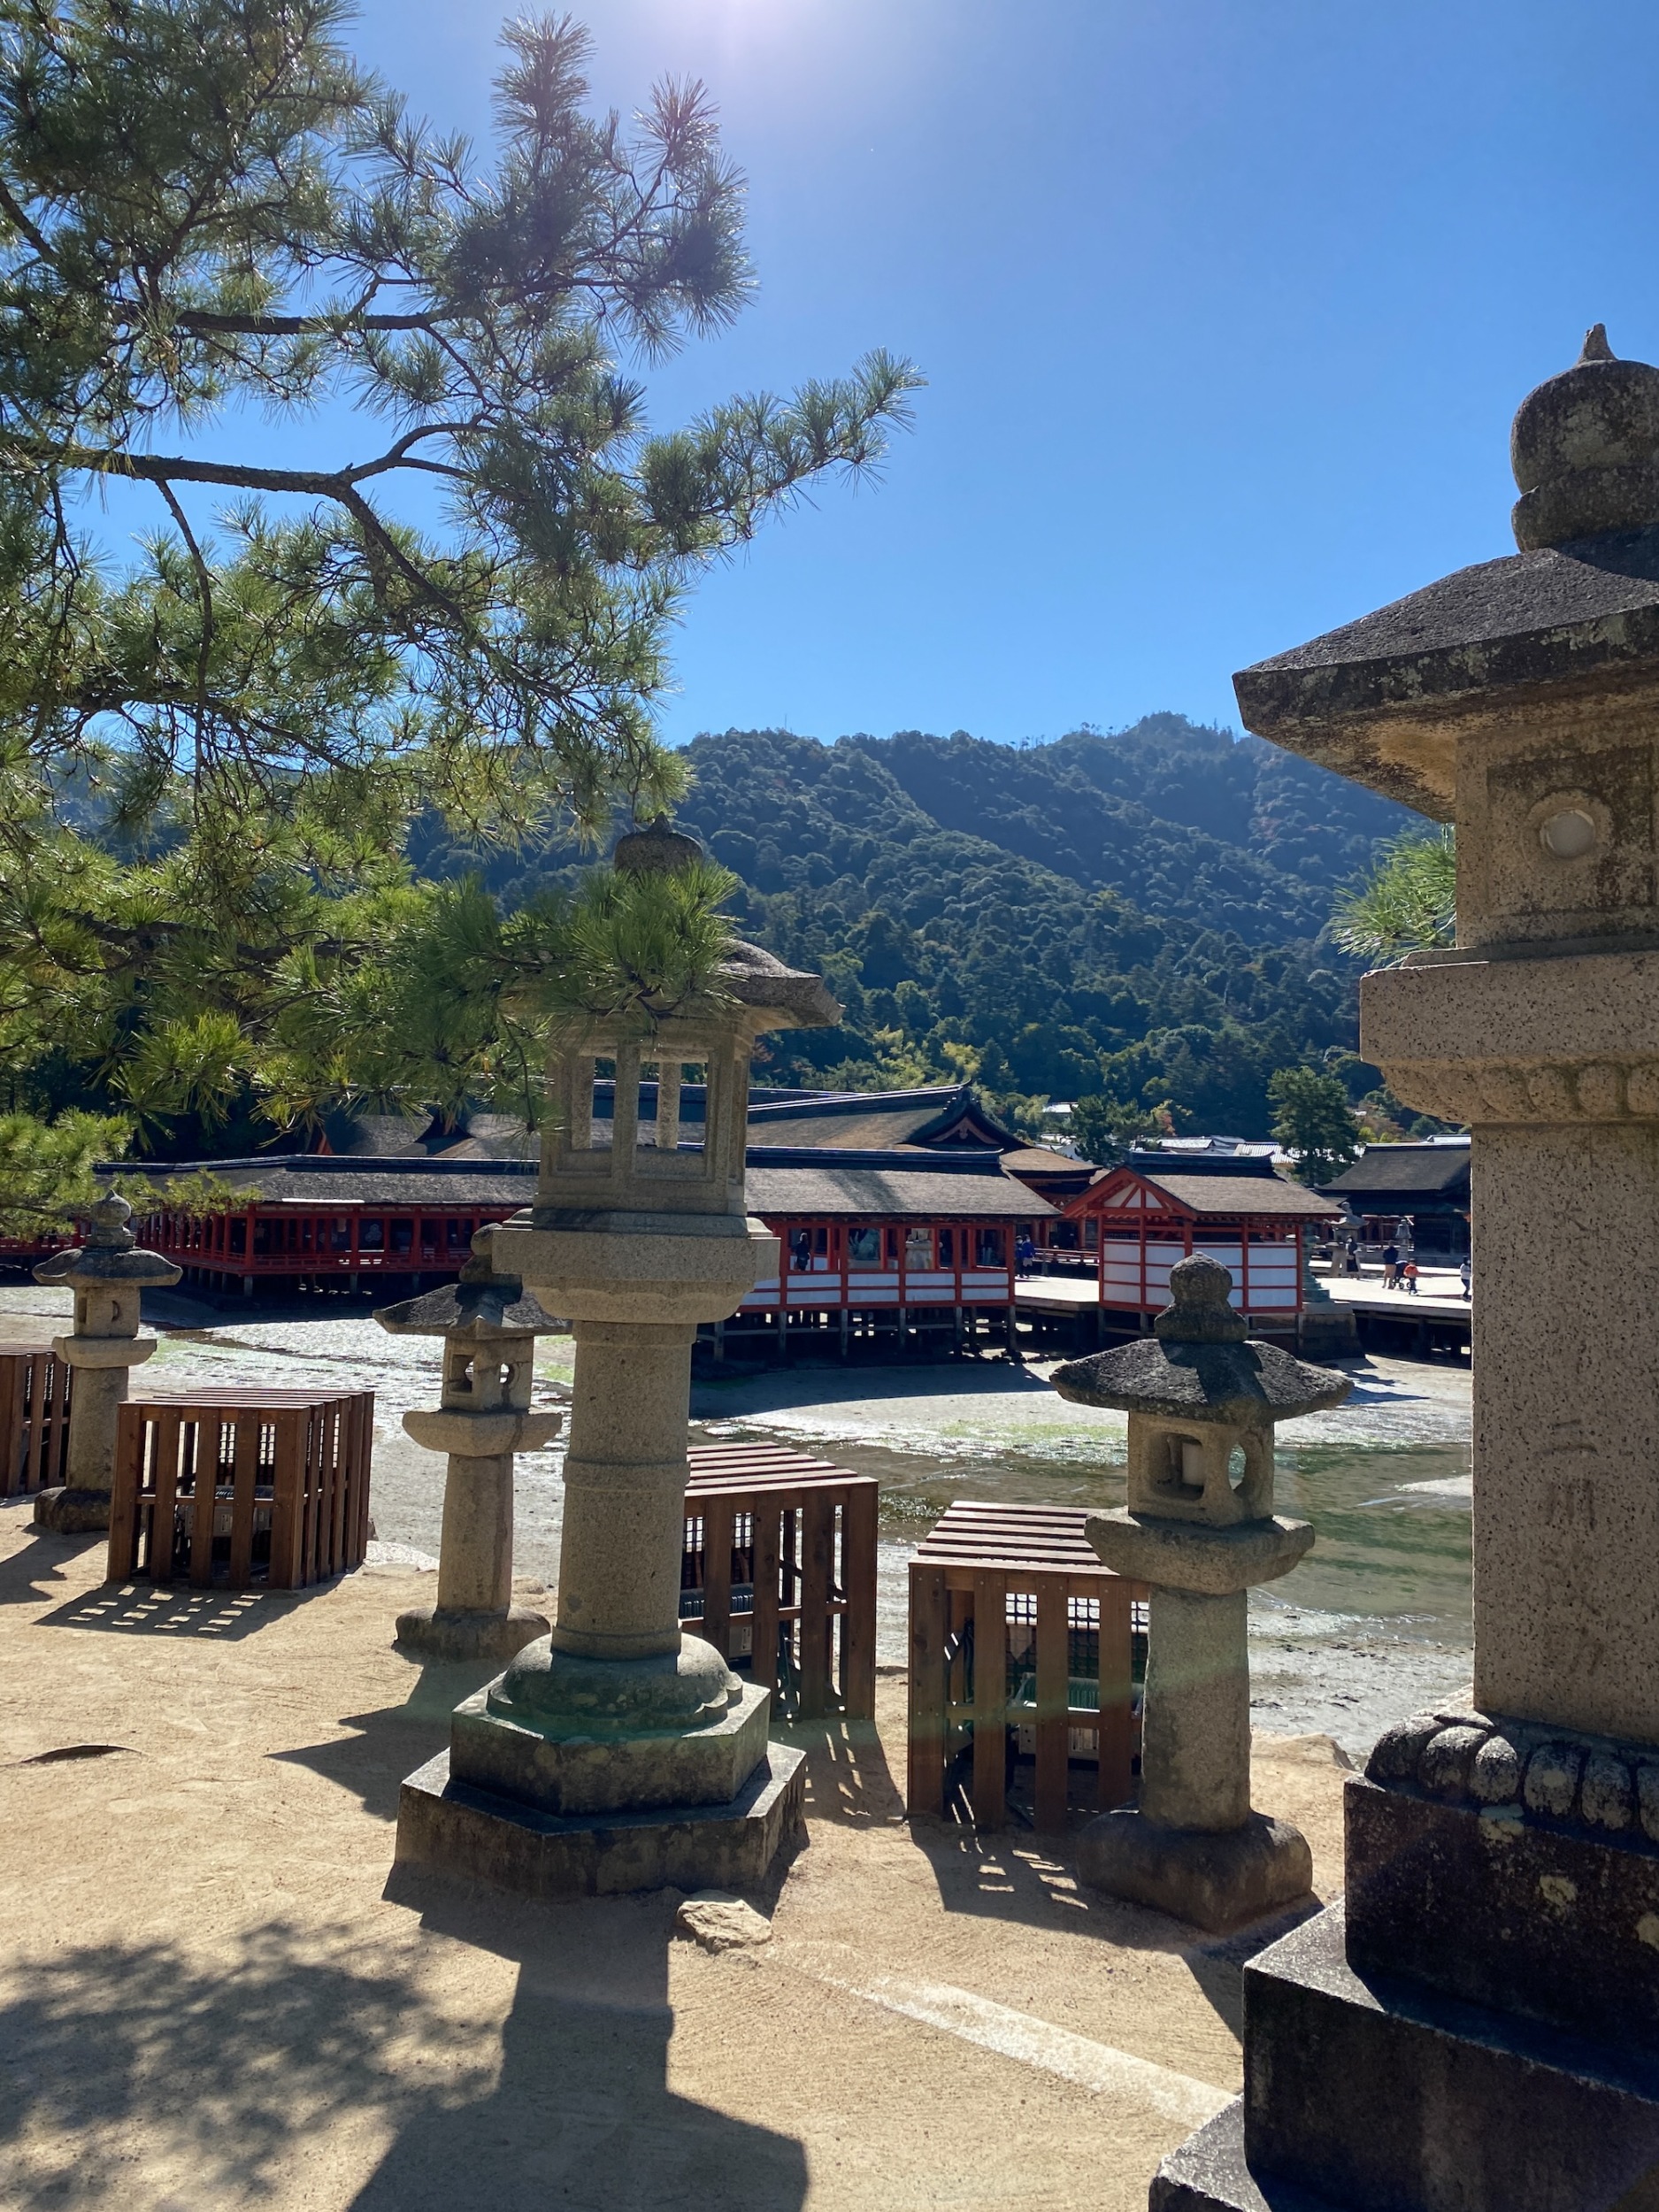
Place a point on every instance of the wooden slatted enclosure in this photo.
(1022, 1644)
(34, 1418)
(242, 1487)
(780, 1572)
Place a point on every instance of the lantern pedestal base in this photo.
(453, 1828)
(1374, 2096)
(1212, 1878)
(446, 1633)
(71, 1512)
(607, 1772)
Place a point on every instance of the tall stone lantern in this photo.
(489, 1327)
(1476, 2025)
(1200, 1528)
(108, 1274)
(617, 1753)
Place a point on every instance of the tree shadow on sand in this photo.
(131, 2063)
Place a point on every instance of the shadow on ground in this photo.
(848, 1777)
(1012, 1875)
(229, 2072)
(141, 1609)
(389, 1744)
(40, 1569)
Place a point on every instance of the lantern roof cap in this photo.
(1200, 1366)
(110, 1254)
(656, 849)
(1575, 612)
(481, 1303)
(756, 978)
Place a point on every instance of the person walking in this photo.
(1463, 1273)
(1410, 1271)
(1390, 1266)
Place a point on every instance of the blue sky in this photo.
(1224, 307)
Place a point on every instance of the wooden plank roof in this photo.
(976, 1532)
(714, 1469)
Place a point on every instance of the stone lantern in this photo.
(1476, 2023)
(648, 1753)
(108, 1275)
(489, 1327)
(1200, 1528)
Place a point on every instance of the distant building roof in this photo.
(871, 1184)
(967, 1185)
(935, 1118)
(1243, 1195)
(1175, 1157)
(1437, 1169)
(1201, 1193)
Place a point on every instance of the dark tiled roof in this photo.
(967, 1185)
(1243, 1195)
(1430, 1168)
(939, 1117)
(859, 1192)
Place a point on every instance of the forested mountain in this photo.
(1137, 915)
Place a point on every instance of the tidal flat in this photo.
(1374, 1622)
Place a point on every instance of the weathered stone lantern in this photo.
(617, 1753)
(489, 1327)
(1476, 2023)
(109, 1274)
(1200, 1528)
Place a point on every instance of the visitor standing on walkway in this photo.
(1463, 1273)
(1410, 1271)
(1390, 1266)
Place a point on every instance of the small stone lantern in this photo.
(617, 1719)
(1202, 1401)
(489, 1327)
(108, 1275)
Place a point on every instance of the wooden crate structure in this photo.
(779, 1569)
(242, 1487)
(34, 1418)
(1017, 1626)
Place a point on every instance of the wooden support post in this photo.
(158, 1556)
(817, 1538)
(929, 1691)
(131, 1436)
(244, 1476)
(1054, 1721)
(1116, 1780)
(990, 1699)
(858, 1623)
(287, 1509)
(764, 1664)
(204, 1435)
(717, 1573)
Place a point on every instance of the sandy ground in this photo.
(211, 1996)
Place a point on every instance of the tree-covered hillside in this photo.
(1139, 915)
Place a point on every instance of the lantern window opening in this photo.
(1184, 1467)
(1237, 1468)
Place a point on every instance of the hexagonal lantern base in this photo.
(469, 1834)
